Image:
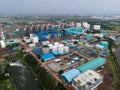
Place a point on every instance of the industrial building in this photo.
(12, 41)
(3, 45)
(104, 44)
(46, 57)
(77, 31)
(34, 38)
(92, 64)
(70, 75)
(96, 27)
(88, 80)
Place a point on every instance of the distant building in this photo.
(3, 45)
(96, 27)
(88, 80)
(86, 25)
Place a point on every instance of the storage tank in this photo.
(61, 50)
(45, 50)
(50, 46)
(56, 44)
(66, 48)
(54, 48)
(61, 45)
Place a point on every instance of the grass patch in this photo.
(8, 84)
(114, 68)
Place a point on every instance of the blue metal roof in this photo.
(74, 30)
(71, 74)
(46, 57)
(93, 64)
(55, 53)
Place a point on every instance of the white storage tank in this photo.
(32, 45)
(61, 50)
(56, 43)
(45, 50)
(61, 45)
(54, 48)
(50, 46)
(66, 48)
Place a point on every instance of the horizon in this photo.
(60, 7)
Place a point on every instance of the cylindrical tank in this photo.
(66, 48)
(50, 46)
(54, 48)
(61, 50)
(61, 45)
(56, 44)
(45, 50)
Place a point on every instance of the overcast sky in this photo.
(60, 7)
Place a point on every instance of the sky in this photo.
(60, 7)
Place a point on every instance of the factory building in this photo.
(12, 41)
(77, 31)
(99, 46)
(96, 27)
(88, 80)
(92, 64)
(3, 45)
(89, 36)
(105, 44)
(86, 25)
(70, 75)
(78, 25)
(34, 38)
(2, 36)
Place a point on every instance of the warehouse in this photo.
(3, 45)
(46, 57)
(93, 64)
(76, 31)
(69, 75)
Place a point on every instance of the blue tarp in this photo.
(71, 74)
(46, 57)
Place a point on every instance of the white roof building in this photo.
(96, 27)
(86, 25)
(88, 80)
(34, 38)
(3, 45)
